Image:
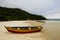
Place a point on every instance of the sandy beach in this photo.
(50, 31)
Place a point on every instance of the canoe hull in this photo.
(9, 29)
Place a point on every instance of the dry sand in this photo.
(50, 31)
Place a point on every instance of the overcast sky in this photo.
(47, 8)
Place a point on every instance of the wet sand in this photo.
(50, 31)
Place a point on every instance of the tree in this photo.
(17, 14)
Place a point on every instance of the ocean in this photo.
(53, 20)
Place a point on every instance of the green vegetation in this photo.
(7, 14)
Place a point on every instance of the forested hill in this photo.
(7, 14)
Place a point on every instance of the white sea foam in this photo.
(21, 23)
